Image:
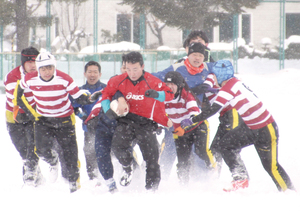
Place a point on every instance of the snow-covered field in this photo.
(279, 90)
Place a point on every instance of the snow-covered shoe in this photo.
(94, 174)
(74, 186)
(126, 175)
(238, 184)
(29, 178)
(39, 178)
(32, 173)
(53, 172)
(111, 184)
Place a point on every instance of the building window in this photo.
(124, 26)
(226, 28)
(136, 29)
(209, 29)
(292, 24)
(209, 33)
(246, 28)
(128, 27)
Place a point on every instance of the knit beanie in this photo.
(196, 47)
(28, 54)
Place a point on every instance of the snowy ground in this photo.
(279, 90)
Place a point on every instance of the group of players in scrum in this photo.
(42, 102)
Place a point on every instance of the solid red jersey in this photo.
(135, 95)
(10, 83)
(52, 97)
(250, 108)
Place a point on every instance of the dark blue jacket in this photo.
(191, 80)
(88, 108)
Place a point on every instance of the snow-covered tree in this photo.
(156, 27)
(69, 24)
(19, 14)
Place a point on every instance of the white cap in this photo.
(45, 59)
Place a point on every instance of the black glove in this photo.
(151, 93)
(95, 96)
(200, 89)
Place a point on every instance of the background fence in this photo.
(73, 63)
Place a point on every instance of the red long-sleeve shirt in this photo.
(135, 95)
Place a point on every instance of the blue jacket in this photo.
(88, 108)
(191, 80)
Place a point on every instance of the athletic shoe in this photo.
(32, 174)
(94, 174)
(53, 172)
(39, 178)
(29, 178)
(126, 175)
(74, 186)
(238, 184)
(111, 184)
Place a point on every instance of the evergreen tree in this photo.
(190, 14)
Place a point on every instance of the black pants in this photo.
(48, 129)
(90, 154)
(22, 137)
(145, 136)
(198, 137)
(265, 141)
(228, 121)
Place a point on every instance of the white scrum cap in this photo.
(45, 59)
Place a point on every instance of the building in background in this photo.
(117, 23)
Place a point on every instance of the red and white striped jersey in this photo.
(210, 80)
(250, 108)
(182, 109)
(52, 97)
(95, 111)
(10, 83)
